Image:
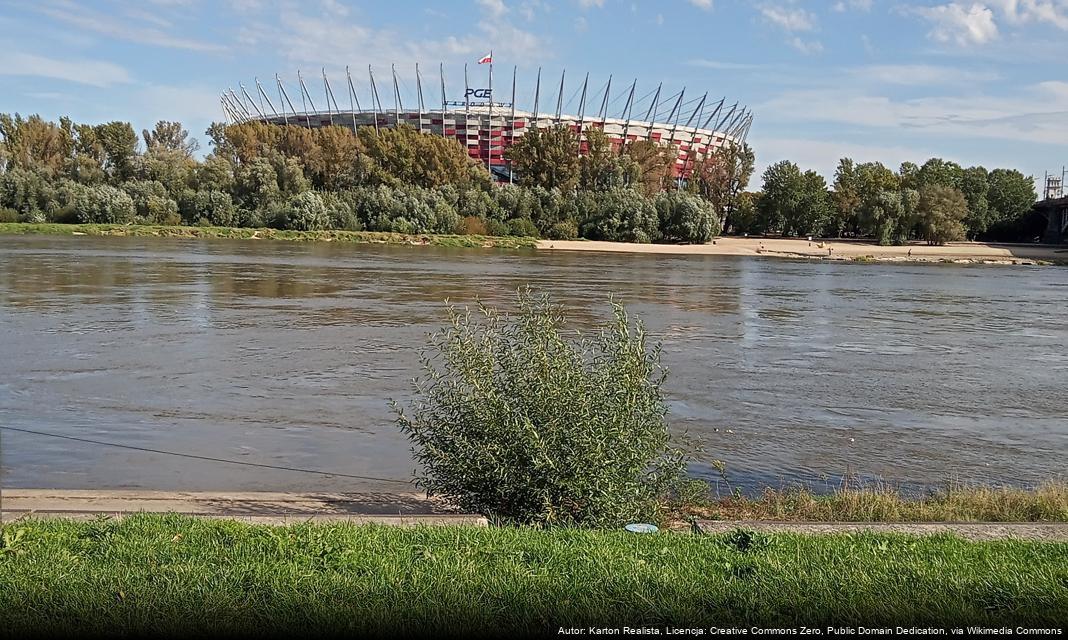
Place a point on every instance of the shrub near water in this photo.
(517, 420)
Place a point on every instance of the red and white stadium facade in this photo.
(695, 127)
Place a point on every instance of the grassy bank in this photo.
(1047, 502)
(366, 237)
(148, 573)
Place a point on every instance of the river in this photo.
(285, 354)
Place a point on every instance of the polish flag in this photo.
(486, 59)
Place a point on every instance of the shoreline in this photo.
(264, 233)
(836, 250)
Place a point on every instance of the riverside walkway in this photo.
(412, 509)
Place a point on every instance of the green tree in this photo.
(119, 144)
(783, 185)
(813, 209)
(975, 185)
(34, 144)
(256, 184)
(745, 218)
(908, 175)
(654, 164)
(937, 171)
(721, 175)
(889, 215)
(942, 210)
(170, 136)
(547, 158)
(686, 218)
(1010, 194)
(846, 198)
(885, 203)
(622, 215)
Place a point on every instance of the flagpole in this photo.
(489, 147)
(467, 113)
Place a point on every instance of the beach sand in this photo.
(964, 252)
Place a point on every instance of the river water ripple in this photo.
(285, 354)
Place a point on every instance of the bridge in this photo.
(1056, 212)
(1054, 206)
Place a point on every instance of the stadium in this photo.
(695, 124)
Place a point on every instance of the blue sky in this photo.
(978, 82)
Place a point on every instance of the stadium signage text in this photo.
(478, 93)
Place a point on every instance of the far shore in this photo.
(845, 250)
(795, 248)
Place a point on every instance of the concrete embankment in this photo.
(256, 507)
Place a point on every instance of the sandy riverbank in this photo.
(833, 250)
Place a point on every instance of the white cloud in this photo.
(306, 37)
(1054, 12)
(495, 8)
(702, 4)
(1035, 114)
(90, 72)
(110, 24)
(921, 75)
(960, 24)
(793, 19)
(586, 4)
(807, 47)
(853, 5)
(788, 18)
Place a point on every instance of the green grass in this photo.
(366, 237)
(1047, 502)
(151, 573)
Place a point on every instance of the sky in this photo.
(981, 82)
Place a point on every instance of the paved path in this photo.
(414, 508)
(259, 507)
(1044, 531)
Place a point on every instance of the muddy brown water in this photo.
(285, 354)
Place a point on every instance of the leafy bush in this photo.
(162, 211)
(341, 208)
(522, 227)
(307, 212)
(471, 225)
(171, 219)
(622, 215)
(27, 191)
(516, 419)
(214, 206)
(8, 215)
(686, 218)
(497, 228)
(104, 204)
(563, 231)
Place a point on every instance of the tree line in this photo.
(400, 180)
(397, 180)
(937, 202)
